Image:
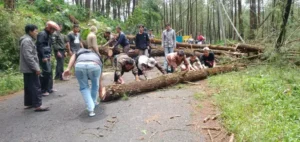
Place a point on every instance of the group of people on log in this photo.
(36, 51)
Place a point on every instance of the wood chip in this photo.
(206, 119)
(215, 117)
(211, 138)
(212, 128)
(175, 116)
(231, 137)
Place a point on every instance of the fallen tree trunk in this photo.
(245, 48)
(113, 92)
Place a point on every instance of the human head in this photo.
(129, 64)
(31, 30)
(199, 33)
(193, 57)
(76, 28)
(141, 28)
(94, 29)
(51, 27)
(206, 51)
(151, 62)
(168, 26)
(118, 29)
(180, 53)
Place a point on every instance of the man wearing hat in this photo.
(145, 63)
(43, 45)
(208, 58)
(175, 59)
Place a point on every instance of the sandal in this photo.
(40, 109)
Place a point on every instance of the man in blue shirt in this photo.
(122, 40)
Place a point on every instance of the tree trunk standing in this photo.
(180, 17)
(235, 17)
(285, 18)
(222, 30)
(258, 11)
(88, 7)
(292, 11)
(241, 25)
(231, 31)
(196, 24)
(175, 19)
(187, 19)
(214, 23)
(114, 10)
(164, 12)
(119, 10)
(9, 4)
(107, 8)
(133, 5)
(102, 7)
(273, 17)
(263, 17)
(208, 25)
(253, 19)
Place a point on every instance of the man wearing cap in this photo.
(142, 41)
(168, 41)
(175, 59)
(122, 40)
(43, 45)
(59, 45)
(145, 63)
(75, 39)
(123, 63)
(208, 58)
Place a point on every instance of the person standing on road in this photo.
(122, 40)
(123, 63)
(168, 42)
(29, 66)
(75, 39)
(145, 64)
(142, 41)
(59, 44)
(88, 66)
(43, 45)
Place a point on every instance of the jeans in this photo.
(83, 72)
(167, 51)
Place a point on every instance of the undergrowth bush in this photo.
(10, 82)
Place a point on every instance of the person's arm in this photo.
(94, 44)
(40, 45)
(136, 41)
(135, 72)
(109, 41)
(162, 39)
(121, 38)
(26, 50)
(70, 65)
(160, 68)
(147, 40)
(118, 69)
(174, 39)
(186, 63)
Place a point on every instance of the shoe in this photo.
(97, 103)
(40, 109)
(91, 114)
(46, 94)
(52, 91)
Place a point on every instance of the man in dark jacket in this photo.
(122, 40)
(59, 45)
(43, 45)
(29, 66)
(208, 58)
(142, 41)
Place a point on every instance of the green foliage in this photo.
(135, 19)
(260, 104)
(10, 82)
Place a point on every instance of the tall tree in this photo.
(107, 8)
(133, 5)
(241, 24)
(235, 17)
(285, 17)
(253, 19)
(102, 7)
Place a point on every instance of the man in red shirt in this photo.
(200, 38)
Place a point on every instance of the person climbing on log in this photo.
(168, 41)
(208, 58)
(175, 59)
(123, 63)
(122, 40)
(111, 41)
(194, 64)
(142, 41)
(145, 64)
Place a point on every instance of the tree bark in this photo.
(102, 7)
(281, 37)
(241, 25)
(107, 8)
(253, 19)
(133, 5)
(114, 92)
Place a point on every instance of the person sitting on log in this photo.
(194, 64)
(145, 63)
(123, 63)
(208, 58)
(175, 59)
(111, 41)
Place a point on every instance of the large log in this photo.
(113, 92)
(245, 48)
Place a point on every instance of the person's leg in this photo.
(59, 65)
(94, 72)
(126, 49)
(82, 77)
(36, 91)
(115, 78)
(171, 49)
(50, 79)
(27, 90)
(166, 53)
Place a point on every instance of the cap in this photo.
(181, 53)
(151, 62)
(206, 49)
(51, 24)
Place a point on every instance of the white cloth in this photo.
(143, 59)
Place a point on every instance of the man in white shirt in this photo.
(145, 63)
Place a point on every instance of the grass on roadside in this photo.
(260, 103)
(10, 82)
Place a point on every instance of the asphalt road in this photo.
(160, 116)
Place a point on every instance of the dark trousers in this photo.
(32, 90)
(59, 64)
(46, 78)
